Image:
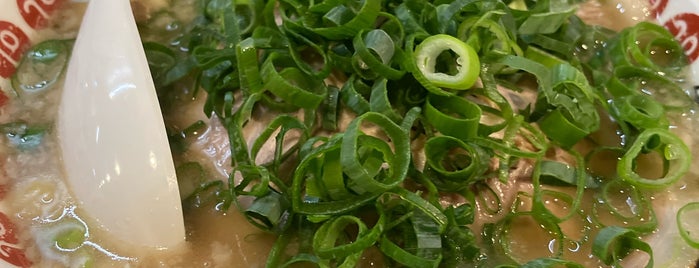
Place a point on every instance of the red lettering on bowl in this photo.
(657, 7)
(13, 42)
(9, 251)
(685, 28)
(37, 12)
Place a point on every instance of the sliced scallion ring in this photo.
(685, 220)
(468, 64)
(672, 148)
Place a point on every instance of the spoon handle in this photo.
(115, 150)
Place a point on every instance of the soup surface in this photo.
(502, 201)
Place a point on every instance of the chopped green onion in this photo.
(468, 162)
(671, 148)
(456, 116)
(643, 44)
(327, 236)
(686, 217)
(467, 63)
(291, 84)
(269, 212)
(22, 135)
(614, 243)
(387, 133)
(41, 67)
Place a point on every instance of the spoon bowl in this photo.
(114, 146)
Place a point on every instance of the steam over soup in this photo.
(387, 133)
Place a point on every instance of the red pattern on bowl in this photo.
(20, 19)
(10, 251)
(16, 33)
(681, 18)
(685, 27)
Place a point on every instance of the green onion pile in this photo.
(477, 89)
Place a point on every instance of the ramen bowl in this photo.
(22, 22)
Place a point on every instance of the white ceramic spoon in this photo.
(111, 131)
